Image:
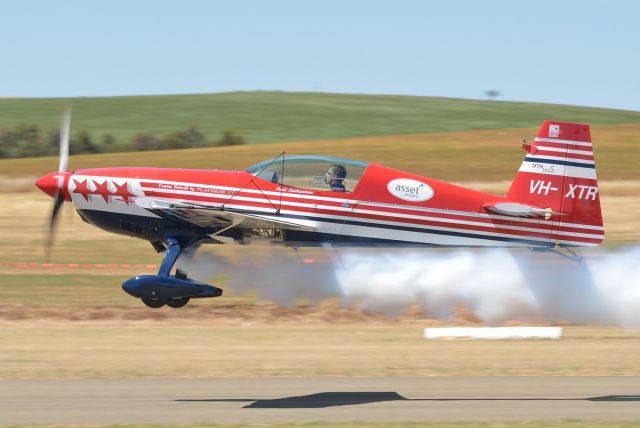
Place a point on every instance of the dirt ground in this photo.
(299, 347)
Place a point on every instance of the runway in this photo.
(99, 401)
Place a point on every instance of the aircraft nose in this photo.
(49, 183)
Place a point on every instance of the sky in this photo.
(566, 52)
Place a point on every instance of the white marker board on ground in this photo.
(493, 333)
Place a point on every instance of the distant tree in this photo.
(173, 140)
(144, 141)
(22, 141)
(108, 140)
(51, 141)
(229, 138)
(5, 144)
(195, 138)
(7, 148)
(82, 143)
(492, 94)
(27, 139)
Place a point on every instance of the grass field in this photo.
(264, 117)
(200, 347)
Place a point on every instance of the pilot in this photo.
(335, 178)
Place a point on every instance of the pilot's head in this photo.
(335, 176)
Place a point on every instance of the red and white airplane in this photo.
(553, 203)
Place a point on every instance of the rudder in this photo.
(559, 173)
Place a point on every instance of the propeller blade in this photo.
(65, 127)
(53, 221)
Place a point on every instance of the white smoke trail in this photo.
(280, 276)
(617, 276)
(497, 285)
(487, 282)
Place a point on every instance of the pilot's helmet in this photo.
(336, 172)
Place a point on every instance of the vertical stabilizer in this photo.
(558, 173)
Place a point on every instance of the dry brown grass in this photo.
(205, 349)
(452, 156)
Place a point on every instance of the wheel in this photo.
(177, 303)
(154, 303)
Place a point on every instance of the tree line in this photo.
(26, 140)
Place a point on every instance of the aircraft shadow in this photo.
(616, 398)
(333, 399)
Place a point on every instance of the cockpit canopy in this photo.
(307, 171)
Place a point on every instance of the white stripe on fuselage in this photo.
(97, 202)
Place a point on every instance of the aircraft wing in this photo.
(219, 217)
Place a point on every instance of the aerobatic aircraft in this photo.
(553, 203)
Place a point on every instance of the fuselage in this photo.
(386, 207)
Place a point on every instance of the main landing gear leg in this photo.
(171, 255)
(162, 289)
(187, 253)
(169, 259)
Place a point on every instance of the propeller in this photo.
(65, 125)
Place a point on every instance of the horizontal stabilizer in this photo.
(520, 210)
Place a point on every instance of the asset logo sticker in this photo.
(410, 190)
(554, 131)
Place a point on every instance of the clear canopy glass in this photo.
(307, 171)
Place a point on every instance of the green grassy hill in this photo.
(264, 117)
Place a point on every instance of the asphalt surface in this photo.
(299, 400)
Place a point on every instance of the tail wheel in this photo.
(155, 303)
(177, 303)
